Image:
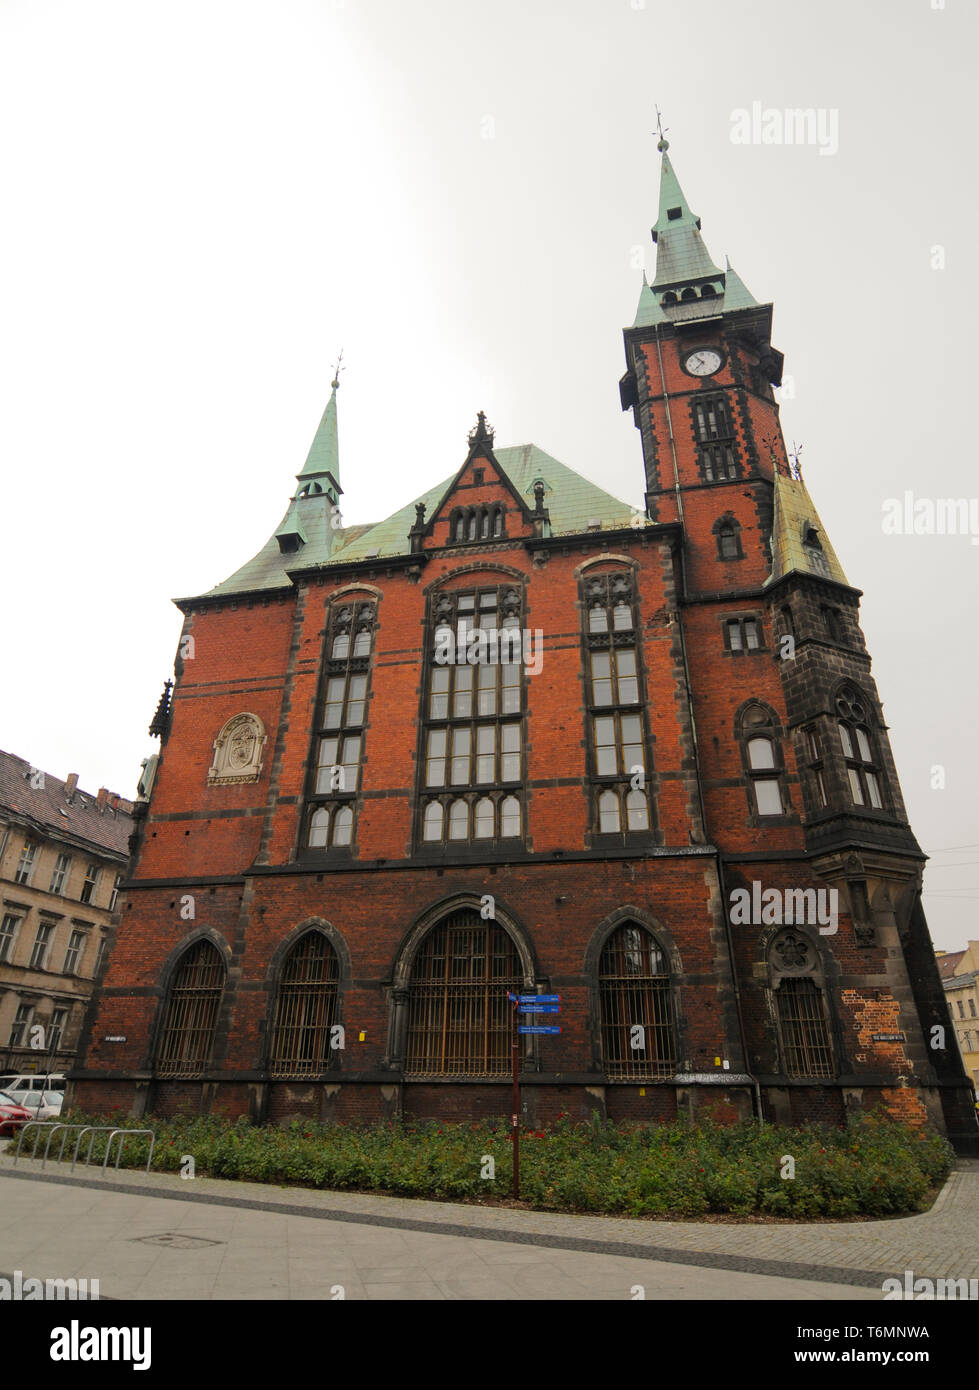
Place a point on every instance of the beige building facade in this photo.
(959, 971)
(63, 855)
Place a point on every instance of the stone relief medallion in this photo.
(238, 751)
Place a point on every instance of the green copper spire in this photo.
(681, 256)
(736, 292)
(323, 459)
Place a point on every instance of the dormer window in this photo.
(674, 214)
(483, 523)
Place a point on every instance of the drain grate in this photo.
(176, 1240)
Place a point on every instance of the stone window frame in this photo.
(274, 1068)
(770, 729)
(799, 958)
(349, 653)
(443, 612)
(740, 622)
(728, 527)
(854, 714)
(476, 524)
(606, 585)
(717, 447)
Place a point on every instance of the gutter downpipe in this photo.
(759, 1115)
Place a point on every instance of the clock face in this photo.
(703, 363)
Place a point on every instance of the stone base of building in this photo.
(724, 1099)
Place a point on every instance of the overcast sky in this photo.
(203, 201)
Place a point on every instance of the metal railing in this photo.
(91, 1130)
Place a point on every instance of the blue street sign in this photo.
(539, 1008)
(539, 1028)
(538, 998)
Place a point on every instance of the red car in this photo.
(12, 1116)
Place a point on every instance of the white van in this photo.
(18, 1085)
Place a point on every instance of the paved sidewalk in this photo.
(210, 1238)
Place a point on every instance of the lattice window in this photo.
(459, 1017)
(802, 1026)
(638, 1036)
(339, 733)
(618, 761)
(472, 761)
(192, 1011)
(305, 1009)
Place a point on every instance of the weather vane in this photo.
(795, 466)
(662, 143)
(337, 369)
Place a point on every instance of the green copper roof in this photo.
(648, 310)
(324, 452)
(799, 542)
(736, 293)
(573, 503)
(681, 255)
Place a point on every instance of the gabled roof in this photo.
(572, 502)
(795, 518)
(48, 808)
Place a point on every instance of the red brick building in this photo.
(520, 736)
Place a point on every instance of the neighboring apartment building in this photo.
(959, 971)
(63, 854)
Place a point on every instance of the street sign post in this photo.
(526, 1004)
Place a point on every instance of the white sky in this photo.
(202, 201)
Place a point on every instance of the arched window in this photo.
(609, 819)
(484, 523)
(460, 527)
(343, 822)
(669, 298)
(319, 828)
(459, 820)
(498, 522)
(800, 1007)
(473, 524)
(305, 1007)
(509, 818)
(708, 292)
(762, 755)
(192, 1012)
(728, 534)
(855, 740)
(687, 295)
(485, 819)
(459, 1017)
(636, 1007)
(433, 821)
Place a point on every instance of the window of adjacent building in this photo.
(715, 438)
(615, 721)
(56, 1029)
(61, 868)
(855, 741)
(472, 758)
(114, 896)
(305, 1009)
(762, 755)
(25, 867)
(20, 1024)
(73, 955)
(193, 1000)
(42, 944)
(972, 1007)
(638, 1036)
(92, 875)
(341, 715)
(459, 1017)
(100, 956)
(742, 634)
(961, 1008)
(8, 934)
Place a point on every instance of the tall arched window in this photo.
(855, 740)
(459, 1017)
(305, 1008)
(192, 1012)
(636, 1007)
(800, 1007)
(763, 760)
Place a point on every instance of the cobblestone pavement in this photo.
(299, 1243)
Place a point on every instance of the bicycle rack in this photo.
(125, 1134)
(91, 1130)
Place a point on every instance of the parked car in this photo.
(43, 1105)
(17, 1084)
(12, 1116)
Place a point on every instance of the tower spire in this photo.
(322, 464)
(682, 258)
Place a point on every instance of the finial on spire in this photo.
(337, 369)
(662, 144)
(795, 467)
